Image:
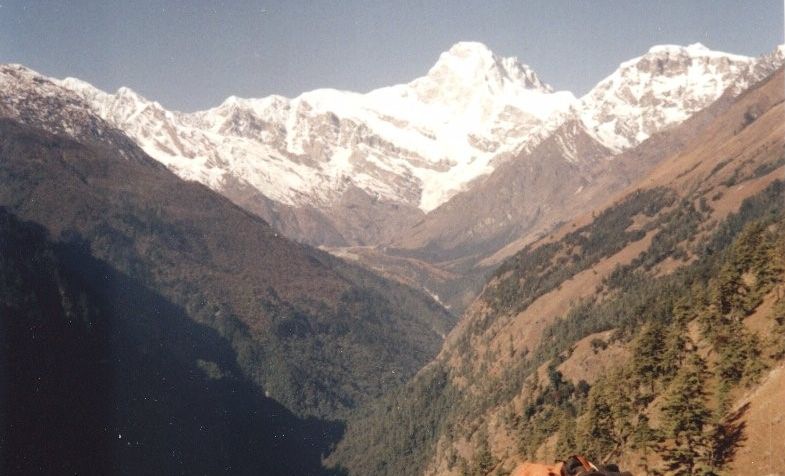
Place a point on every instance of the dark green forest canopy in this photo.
(100, 375)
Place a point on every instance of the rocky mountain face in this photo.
(445, 170)
(302, 323)
(644, 96)
(608, 139)
(410, 146)
(37, 101)
(665, 86)
(681, 274)
(317, 163)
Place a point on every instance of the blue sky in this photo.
(191, 55)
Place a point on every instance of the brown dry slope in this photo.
(742, 152)
(763, 452)
(542, 305)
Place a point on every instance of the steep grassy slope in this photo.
(498, 391)
(317, 334)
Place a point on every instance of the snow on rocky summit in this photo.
(417, 143)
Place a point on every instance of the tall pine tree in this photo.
(484, 462)
(647, 353)
(686, 418)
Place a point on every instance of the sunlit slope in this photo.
(602, 278)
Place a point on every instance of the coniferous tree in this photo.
(595, 431)
(777, 338)
(730, 345)
(754, 367)
(566, 445)
(608, 423)
(686, 418)
(644, 438)
(484, 462)
(729, 291)
(647, 352)
(675, 344)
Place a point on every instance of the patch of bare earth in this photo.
(588, 360)
(526, 327)
(763, 448)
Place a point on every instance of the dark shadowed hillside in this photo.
(101, 375)
(316, 334)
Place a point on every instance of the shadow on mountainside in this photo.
(99, 375)
(729, 436)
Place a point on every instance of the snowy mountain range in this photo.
(605, 142)
(415, 145)
(661, 88)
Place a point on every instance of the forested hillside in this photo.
(627, 334)
(100, 375)
(315, 333)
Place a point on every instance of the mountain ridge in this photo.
(571, 166)
(411, 145)
(591, 243)
(456, 117)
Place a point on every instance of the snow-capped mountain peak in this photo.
(416, 144)
(658, 89)
(471, 64)
(762, 67)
